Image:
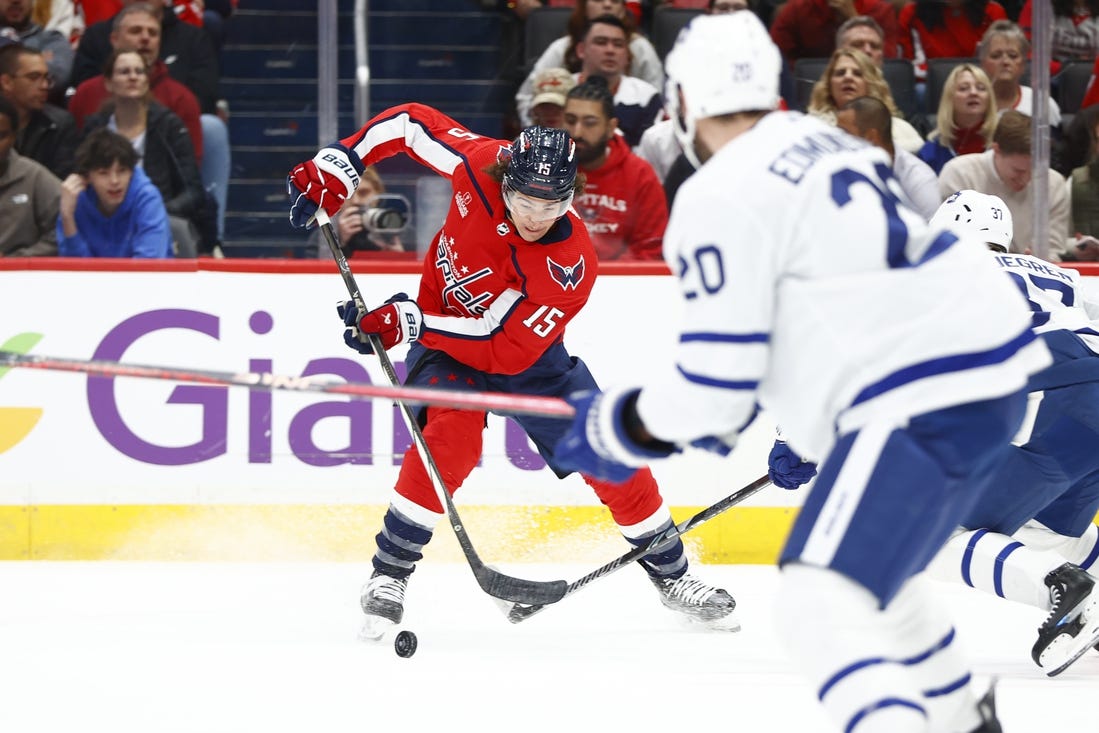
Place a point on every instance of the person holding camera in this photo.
(365, 227)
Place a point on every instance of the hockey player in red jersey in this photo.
(511, 266)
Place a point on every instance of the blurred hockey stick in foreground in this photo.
(521, 612)
(492, 581)
(498, 402)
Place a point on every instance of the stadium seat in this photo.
(1072, 82)
(543, 26)
(667, 22)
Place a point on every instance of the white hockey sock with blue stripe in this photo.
(997, 564)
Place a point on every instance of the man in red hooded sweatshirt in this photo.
(623, 203)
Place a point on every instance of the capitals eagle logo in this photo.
(567, 277)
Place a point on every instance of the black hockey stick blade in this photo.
(519, 591)
(521, 612)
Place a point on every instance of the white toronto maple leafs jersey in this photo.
(1056, 299)
(811, 289)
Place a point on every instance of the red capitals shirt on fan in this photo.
(624, 206)
(490, 299)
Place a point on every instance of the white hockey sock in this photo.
(936, 657)
(1082, 550)
(668, 561)
(997, 564)
(850, 652)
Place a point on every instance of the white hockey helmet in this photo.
(977, 213)
(720, 64)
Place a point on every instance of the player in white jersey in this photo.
(894, 354)
(1052, 476)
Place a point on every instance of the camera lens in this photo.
(383, 219)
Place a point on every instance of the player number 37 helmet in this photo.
(720, 64)
(979, 214)
(541, 165)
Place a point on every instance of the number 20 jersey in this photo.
(812, 288)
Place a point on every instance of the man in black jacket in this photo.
(45, 133)
(186, 49)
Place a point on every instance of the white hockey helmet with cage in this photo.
(981, 214)
(720, 64)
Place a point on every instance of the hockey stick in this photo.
(521, 612)
(492, 581)
(499, 402)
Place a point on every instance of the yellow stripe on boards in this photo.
(345, 533)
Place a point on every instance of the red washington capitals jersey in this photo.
(490, 299)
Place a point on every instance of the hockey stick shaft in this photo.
(498, 402)
(493, 582)
(521, 612)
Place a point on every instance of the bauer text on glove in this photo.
(324, 182)
(397, 322)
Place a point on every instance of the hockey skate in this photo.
(698, 602)
(986, 706)
(383, 603)
(1072, 626)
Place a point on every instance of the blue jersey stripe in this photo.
(944, 365)
(719, 383)
(725, 338)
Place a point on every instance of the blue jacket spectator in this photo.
(109, 207)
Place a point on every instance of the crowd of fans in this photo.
(79, 79)
(940, 85)
(945, 72)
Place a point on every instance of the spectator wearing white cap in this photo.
(551, 87)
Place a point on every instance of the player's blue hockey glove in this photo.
(786, 468)
(397, 322)
(596, 443)
(325, 182)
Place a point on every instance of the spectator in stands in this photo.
(1078, 144)
(186, 50)
(623, 202)
(1004, 170)
(932, 29)
(109, 208)
(55, 48)
(863, 33)
(1083, 183)
(357, 240)
(642, 61)
(637, 104)
(29, 196)
(1075, 29)
(851, 74)
(45, 133)
(966, 118)
(1003, 54)
(138, 26)
(163, 146)
(551, 86)
(870, 119)
(807, 28)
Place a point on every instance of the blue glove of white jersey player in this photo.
(397, 322)
(786, 468)
(597, 443)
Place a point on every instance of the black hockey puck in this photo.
(405, 644)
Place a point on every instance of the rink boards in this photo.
(96, 468)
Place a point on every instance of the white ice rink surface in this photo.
(211, 648)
